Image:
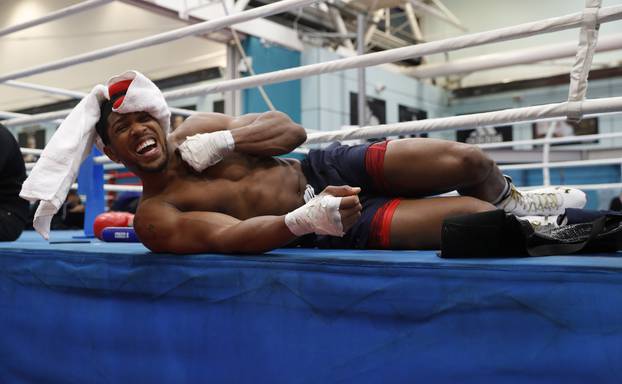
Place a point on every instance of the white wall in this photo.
(547, 95)
(326, 98)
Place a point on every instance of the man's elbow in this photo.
(299, 134)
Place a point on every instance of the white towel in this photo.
(57, 168)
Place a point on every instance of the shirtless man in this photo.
(232, 196)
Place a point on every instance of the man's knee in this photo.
(474, 164)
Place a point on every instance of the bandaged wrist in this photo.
(320, 216)
(206, 149)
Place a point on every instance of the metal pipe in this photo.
(360, 49)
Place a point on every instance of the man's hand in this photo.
(350, 206)
(206, 149)
(332, 212)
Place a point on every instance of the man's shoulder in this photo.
(151, 209)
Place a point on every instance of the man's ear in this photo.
(109, 151)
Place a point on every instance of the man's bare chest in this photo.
(239, 189)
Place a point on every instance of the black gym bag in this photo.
(498, 234)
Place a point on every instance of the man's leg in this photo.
(417, 223)
(423, 167)
(420, 167)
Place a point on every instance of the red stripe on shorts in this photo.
(374, 164)
(380, 235)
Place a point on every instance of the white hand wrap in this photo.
(320, 215)
(206, 149)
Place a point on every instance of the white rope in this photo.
(103, 159)
(510, 58)
(588, 187)
(122, 188)
(115, 188)
(554, 140)
(522, 30)
(562, 164)
(191, 30)
(19, 119)
(34, 119)
(113, 166)
(515, 115)
(31, 151)
(64, 12)
(46, 89)
(588, 38)
(11, 115)
(569, 21)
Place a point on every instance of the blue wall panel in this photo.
(284, 96)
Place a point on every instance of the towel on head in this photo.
(57, 168)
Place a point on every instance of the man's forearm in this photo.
(255, 235)
(270, 134)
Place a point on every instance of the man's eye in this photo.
(145, 118)
(120, 128)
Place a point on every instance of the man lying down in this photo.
(214, 185)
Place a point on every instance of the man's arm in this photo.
(265, 134)
(163, 228)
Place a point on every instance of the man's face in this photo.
(137, 140)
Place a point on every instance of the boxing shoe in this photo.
(549, 201)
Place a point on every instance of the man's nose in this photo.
(137, 128)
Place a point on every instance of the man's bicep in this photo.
(167, 229)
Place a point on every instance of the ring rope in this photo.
(574, 20)
(12, 115)
(506, 59)
(522, 30)
(64, 12)
(195, 29)
(553, 140)
(562, 164)
(588, 38)
(514, 115)
(31, 151)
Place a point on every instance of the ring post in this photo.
(91, 184)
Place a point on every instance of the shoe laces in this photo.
(535, 201)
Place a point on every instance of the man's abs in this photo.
(241, 188)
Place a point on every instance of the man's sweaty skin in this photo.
(233, 206)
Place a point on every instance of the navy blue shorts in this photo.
(343, 165)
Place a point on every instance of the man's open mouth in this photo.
(146, 147)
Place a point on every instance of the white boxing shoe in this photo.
(549, 201)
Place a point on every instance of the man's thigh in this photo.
(424, 167)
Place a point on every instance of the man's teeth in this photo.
(145, 144)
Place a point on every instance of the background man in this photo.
(13, 209)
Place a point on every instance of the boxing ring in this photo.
(79, 310)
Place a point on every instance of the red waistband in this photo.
(374, 165)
